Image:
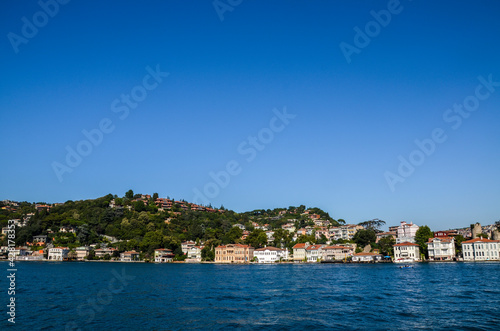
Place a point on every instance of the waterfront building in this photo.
(337, 252)
(82, 252)
(406, 252)
(234, 253)
(58, 253)
(102, 252)
(441, 248)
(481, 249)
(406, 232)
(270, 254)
(367, 257)
(186, 246)
(299, 252)
(129, 256)
(345, 232)
(163, 255)
(314, 253)
(194, 252)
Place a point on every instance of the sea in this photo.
(148, 296)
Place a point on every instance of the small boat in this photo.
(405, 266)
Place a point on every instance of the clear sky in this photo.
(360, 101)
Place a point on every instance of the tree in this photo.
(386, 245)
(373, 224)
(207, 254)
(422, 236)
(129, 194)
(458, 244)
(155, 196)
(257, 238)
(364, 237)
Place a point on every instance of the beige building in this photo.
(234, 253)
(337, 252)
(163, 255)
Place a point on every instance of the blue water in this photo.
(73, 296)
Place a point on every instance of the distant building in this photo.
(129, 256)
(194, 253)
(234, 253)
(270, 254)
(299, 252)
(337, 252)
(101, 252)
(186, 246)
(367, 257)
(241, 226)
(390, 234)
(42, 239)
(406, 232)
(481, 249)
(82, 252)
(163, 255)
(58, 253)
(406, 252)
(441, 248)
(314, 253)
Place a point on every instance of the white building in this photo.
(290, 227)
(270, 254)
(441, 248)
(186, 246)
(406, 232)
(163, 255)
(406, 252)
(344, 232)
(481, 249)
(367, 257)
(194, 252)
(314, 253)
(58, 253)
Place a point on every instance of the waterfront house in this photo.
(406, 252)
(194, 253)
(186, 246)
(58, 253)
(102, 252)
(441, 248)
(299, 252)
(406, 232)
(129, 256)
(82, 252)
(163, 255)
(481, 249)
(270, 254)
(314, 253)
(367, 257)
(337, 252)
(234, 253)
(21, 251)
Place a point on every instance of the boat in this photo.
(405, 266)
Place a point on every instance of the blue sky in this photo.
(225, 78)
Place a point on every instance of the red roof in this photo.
(367, 254)
(445, 239)
(313, 247)
(481, 240)
(405, 244)
(337, 247)
(299, 246)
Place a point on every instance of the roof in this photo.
(337, 247)
(313, 247)
(405, 244)
(366, 254)
(297, 246)
(268, 249)
(445, 239)
(481, 240)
